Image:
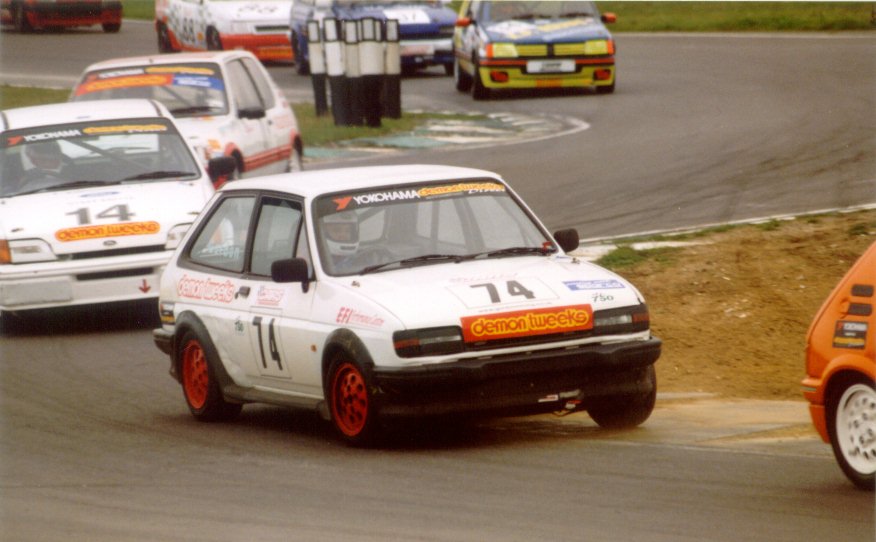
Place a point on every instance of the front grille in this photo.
(117, 252)
(272, 28)
(532, 50)
(567, 49)
(122, 273)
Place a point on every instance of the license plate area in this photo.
(550, 66)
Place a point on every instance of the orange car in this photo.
(841, 368)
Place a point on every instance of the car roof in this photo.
(311, 184)
(69, 112)
(176, 58)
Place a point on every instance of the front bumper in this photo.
(81, 282)
(74, 13)
(499, 74)
(267, 47)
(539, 381)
(426, 52)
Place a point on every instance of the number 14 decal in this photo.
(513, 287)
(272, 342)
(121, 212)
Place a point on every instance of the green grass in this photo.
(740, 16)
(25, 96)
(698, 16)
(625, 256)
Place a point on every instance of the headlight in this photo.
(175, 235)
(501, 50)
(622, 320)
(26, 251)
(599, 47)
(436, 341)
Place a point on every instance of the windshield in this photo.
(507, 10)
(188, 90)
(355, 3)
(382, 230)
(63, 157)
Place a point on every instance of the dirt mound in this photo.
(733, 309)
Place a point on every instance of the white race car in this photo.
(93, 200)
(260, 26)
(399, 291)
(225, 102)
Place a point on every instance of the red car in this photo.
(27, 15)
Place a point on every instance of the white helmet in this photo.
(341, 233)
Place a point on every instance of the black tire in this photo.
(111, 28)
(478, 90)
(851, 424)
(448, 68)
(214, 42)
(353, 409)
(462, 80)
(628, 410)
(196, 359)
(19, 20)
(164, 43)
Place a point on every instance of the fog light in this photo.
(499, 77)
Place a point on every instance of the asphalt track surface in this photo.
(96, 443)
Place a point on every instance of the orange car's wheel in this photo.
(851, 425)
(352, 408)
(200, 388)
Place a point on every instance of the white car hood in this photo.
(94, 219)
(438, 295)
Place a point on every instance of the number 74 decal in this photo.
(482, 294)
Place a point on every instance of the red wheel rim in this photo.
(194, 374)
(349, 400)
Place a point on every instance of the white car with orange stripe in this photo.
(258, 26)
(225, 102)
(399, 291)
(93, 200)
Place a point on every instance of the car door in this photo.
(279, 119)
(279, 319)
(251, 136)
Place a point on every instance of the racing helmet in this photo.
(341, 233)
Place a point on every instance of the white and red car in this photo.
(28, 15)
(258, 26)
(225, 102)
(93, 200)
(398, 291)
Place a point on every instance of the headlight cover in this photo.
(26, 251)
(436, 341)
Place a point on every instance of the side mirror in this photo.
(463, 22)
(291, 270)
(222, 166)
(609, 17)
(253, 113)
(567, 239)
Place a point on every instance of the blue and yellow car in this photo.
(515, 44)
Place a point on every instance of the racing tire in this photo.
(626, 411)
(448, 68)
(351, 404)
(478, 90)
(214, 42)
(462, 80)
(851, 426)
(164, 43)
(20, 22)
(196, 359)
(111, 28)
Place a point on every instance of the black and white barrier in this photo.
(317, 67)
(362, 61)
(392, 69)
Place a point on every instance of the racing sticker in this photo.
(99, 231)
(389, 196)
(525, 323)
(850, 335)
(602, 284)
(206, 289)
(476, 294)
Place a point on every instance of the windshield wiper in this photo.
(193, 109)
(159, 175)
(66, 186)
(425, 259)
(577, 14)
(517, 251)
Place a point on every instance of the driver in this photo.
(341, 234)
(47, 160)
